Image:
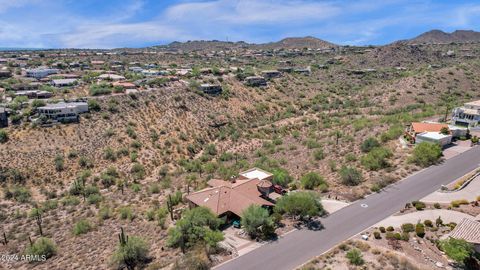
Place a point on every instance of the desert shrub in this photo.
(42, 247)
(405, 237)
(93, 105)
(131, 253)
(355, 256)
(426, 154)
(126, 212)
(390, 229)
(81, 227)
(59, 163)
(369, 144)
(376, 159)
(154, 188)
(318, 154)
(419, 205)
(70, 200)
(138, 171)
(457, 249)
(100, 89)
(420, 230)
(457, 203)
(3, 136)
(408, 227)
(439, 222)
(104, 213)
(437, 206)
(18, 193)
(94, 199)
(350, 176)
(428, 223)
(377, 235)
(313, 180)
(393, 133)
(109, 154)
(382, 229)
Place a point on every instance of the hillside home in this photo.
(270, 74)
(303, 71)
(5, 73)
(3, 118)
(419, 132)
(63, 112)
(255, 81)
(211, 89)
(111, 77)
(64, 82)
(468, 230)
(33, 94)
(231, 198)
(39, 73)
(467, 115)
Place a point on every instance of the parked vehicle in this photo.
(236, 224)
(279, 189)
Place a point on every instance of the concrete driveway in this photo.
(456, 148)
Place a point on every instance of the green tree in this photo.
(355, 257)
(313, 180)
(300, 204)
(257, 222)
(193, 228)
(350, 176)
(457, 249)
(281, 177)
(426, 154)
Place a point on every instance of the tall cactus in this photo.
(170, 206)
(122, 237)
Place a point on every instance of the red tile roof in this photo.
(224, 196)
(419, 127)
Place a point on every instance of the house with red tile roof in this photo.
(231, 198)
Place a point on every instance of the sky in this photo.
(141, 23)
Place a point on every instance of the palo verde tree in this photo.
(300, 204)
(257, 222)
(197, 226)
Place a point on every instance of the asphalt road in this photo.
(300, 246)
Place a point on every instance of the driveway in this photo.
(420, 216)
(456, 148)
(469, 193)
(300, 246)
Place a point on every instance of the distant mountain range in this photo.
(430, 37)
(438, 36)
(215, 45)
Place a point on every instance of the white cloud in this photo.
(122, 24)
(6, 5)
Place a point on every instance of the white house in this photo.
(63, 112)
(63, 82)
(467, 115)
(39, 73)
(434, 137)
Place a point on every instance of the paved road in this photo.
(300, 246)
